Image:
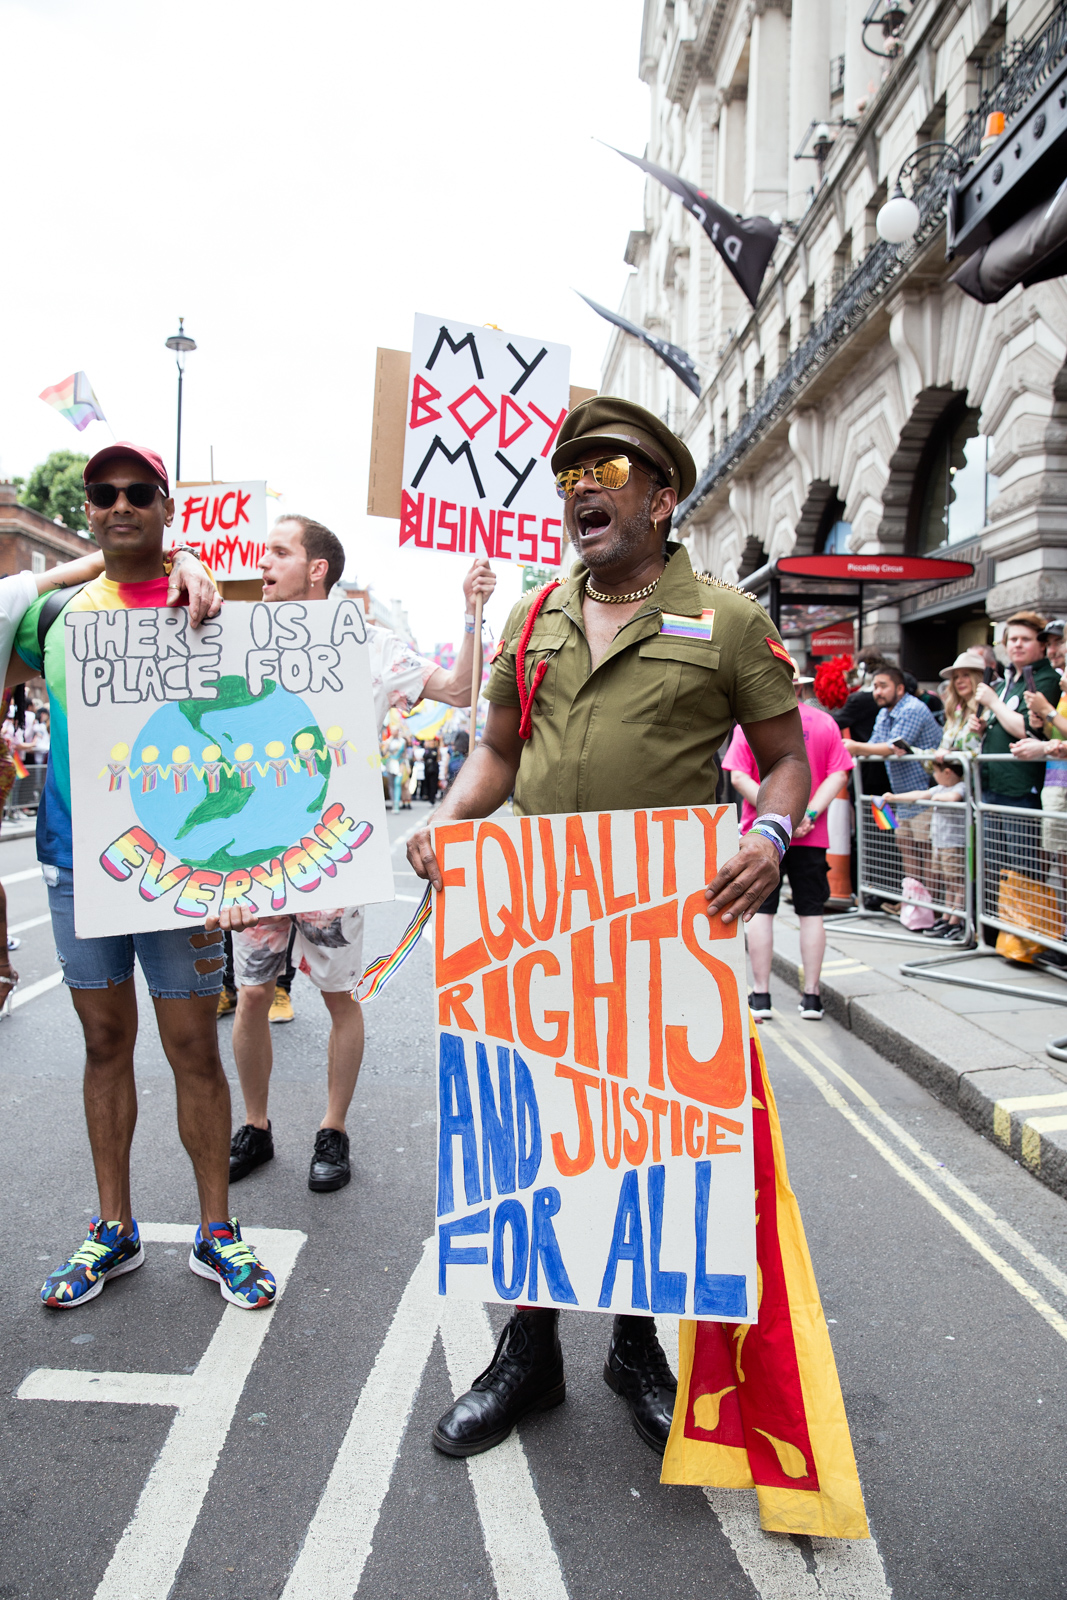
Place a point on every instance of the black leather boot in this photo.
(637, 1369)
(525, 1374)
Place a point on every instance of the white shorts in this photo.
(328, 949)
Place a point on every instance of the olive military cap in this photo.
(605, 423)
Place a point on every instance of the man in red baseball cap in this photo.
(129, 509)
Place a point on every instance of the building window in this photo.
(37, 562)
(958, 485)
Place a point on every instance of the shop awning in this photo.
(804, 593)
(1008, 212)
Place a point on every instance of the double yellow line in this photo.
(791, 1040)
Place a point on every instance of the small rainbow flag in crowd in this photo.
(884, 815)
(75, 400)
(20, 765)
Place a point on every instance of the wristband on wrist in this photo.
(767, 828)
(811, 813)
(468, 622)
(784, 825)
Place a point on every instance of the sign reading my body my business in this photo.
(594, 1098)
(484, 409)
(232, 764)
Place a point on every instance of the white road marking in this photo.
(147, 1557)
(834, 1098)
(22, 996)
(1029, 1252)
(517, 1541)
(845, 1569)
(20, 877)
(34, 922)
(338, 1540)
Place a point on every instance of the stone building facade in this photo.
(865, 404)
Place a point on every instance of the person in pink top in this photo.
(805, 860)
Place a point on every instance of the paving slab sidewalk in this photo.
(982, 1053)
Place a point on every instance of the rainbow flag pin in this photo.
(884, 815)
(675, 627)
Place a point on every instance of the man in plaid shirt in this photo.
(902, 717)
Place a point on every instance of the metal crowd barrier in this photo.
(886, 855)
(1020, 885)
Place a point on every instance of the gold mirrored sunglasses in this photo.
(611, 472)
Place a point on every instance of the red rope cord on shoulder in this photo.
(526, 700)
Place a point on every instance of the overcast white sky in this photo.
(297, 182)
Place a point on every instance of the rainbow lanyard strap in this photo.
(526, 700)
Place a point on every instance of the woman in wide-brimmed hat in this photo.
(964, 676)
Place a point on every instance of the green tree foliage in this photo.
(55, 489)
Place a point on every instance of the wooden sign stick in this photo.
(476, 673)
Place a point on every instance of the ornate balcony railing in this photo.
(1025, 69)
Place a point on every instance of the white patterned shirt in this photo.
(398, 674)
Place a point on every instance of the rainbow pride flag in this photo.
(884, 815)
(20, 766)
(675, 627)
(75, 400)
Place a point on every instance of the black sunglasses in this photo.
(104, 495)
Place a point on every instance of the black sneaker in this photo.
(760, 1006)
(939, 929)
(250, 1148)
(330, 1167)
(810, 1008)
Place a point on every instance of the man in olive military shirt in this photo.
(618, 710)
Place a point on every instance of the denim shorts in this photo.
(176, 962)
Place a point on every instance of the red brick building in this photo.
(29, 542)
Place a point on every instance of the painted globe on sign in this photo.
(234, 827)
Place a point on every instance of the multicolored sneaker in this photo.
(242, 1278)
(106, 1253)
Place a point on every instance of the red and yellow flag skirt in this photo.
(759, 1405)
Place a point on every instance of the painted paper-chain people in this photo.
(212, 768)
(280, 762)
(335, 744)
(304, 744)
(181, 768)
(149, 768)
(117, 766)
(242, 760)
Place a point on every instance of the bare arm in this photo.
(743, 883)
(1009, 720)
(856, 747)
(486, 779)
(454, 688)
(828, 790)
(83, 569)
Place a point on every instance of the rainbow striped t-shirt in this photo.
(55, 843)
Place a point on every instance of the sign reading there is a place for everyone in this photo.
(484, 410)
(235, 764)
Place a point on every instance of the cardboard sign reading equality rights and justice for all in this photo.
(232, 764)
(478, 422)
(594, 1090)
(225, 523)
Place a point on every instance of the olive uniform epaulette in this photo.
(720, 583)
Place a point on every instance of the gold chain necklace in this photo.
(620, 599)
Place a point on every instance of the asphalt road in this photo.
(152, 1446)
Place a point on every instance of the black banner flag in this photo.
(746, 244)
(680, 361)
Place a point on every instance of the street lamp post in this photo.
(181, 344)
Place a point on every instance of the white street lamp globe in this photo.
(898, 220)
